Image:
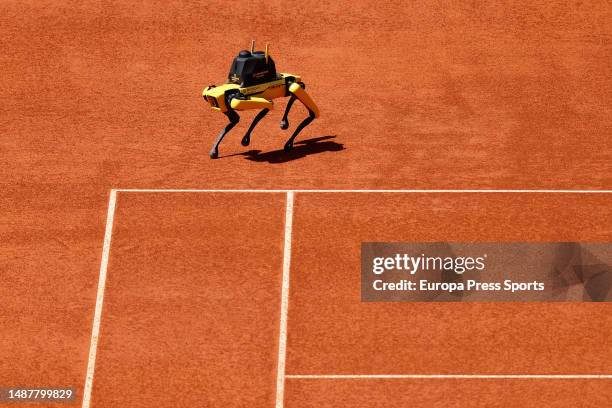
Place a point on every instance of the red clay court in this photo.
(140, 272)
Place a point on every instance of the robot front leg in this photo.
(234, 119)
(247, 137)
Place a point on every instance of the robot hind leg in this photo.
(302, 125)
(284, 123)
(246, 140)
(297, 91)
(234, 118)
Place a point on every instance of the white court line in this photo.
(282, 351)
(282, 338)
(95, 331)
(448, 376)
(430, 191)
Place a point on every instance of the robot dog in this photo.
(252, 84)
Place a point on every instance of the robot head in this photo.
(252, 68)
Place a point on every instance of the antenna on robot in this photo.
(267, 47)
(252, 46)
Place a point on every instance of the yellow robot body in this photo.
(216, 95)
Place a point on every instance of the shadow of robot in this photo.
(300, 150)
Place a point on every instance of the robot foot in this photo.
(214, 153)
(245, 141)
(288, 146)
(284, 124)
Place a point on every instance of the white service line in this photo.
(182, 190)
(417, 191)
(282, 337)
(95, 331)
(448, 376)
